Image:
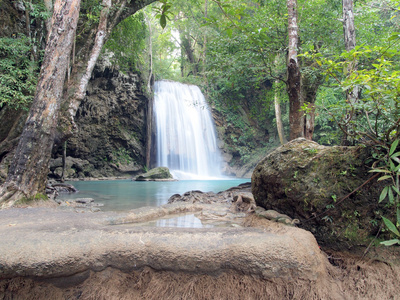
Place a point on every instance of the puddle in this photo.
(186, 221)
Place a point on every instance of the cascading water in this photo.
(186, 140)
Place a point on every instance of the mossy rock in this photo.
(316, 185)
(156, 174)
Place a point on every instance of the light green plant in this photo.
(391, 172)
(392, 228)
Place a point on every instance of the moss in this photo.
(28, 200)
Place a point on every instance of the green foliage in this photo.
(121, 156)
(18, 73)
(163, 12)
(127, 43)
(91, 9)
(37, 10)
(375, 115)
(394, 229)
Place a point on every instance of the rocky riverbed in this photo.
(65, 254)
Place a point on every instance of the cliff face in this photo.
(111, 134)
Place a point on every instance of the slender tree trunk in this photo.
(88, 54)
(64, 161)
(205, 48)
(49, 7)
(150, 56)
(348, 25)
(349, 34)
(278, 117)
(28, 171)
(98, 44)
(309, 88)
(310, 122)
(296, 119)
(278, 114)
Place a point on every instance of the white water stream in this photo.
(186, 140)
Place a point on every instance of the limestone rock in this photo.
(312, 183)
(156, 174)
(243, 202)
(111, 126)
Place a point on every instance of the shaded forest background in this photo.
(235, 51)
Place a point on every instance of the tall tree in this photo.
(349, 33)
(27, 174)
(30, 166)
(296, 120)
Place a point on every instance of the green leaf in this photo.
(393, 147)
(384, 177)
(396, 189)
(391, 226)
(398, 217)
(383, 194)
(395, 154)
(392, 166)
(393, 37)
(380, 171)
(163, 21)
(390, 242)
(390, 195)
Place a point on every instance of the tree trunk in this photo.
(349, 33)
(278, 114)
(187, 47)
(49, 7)
(310, 122)
(28, 171)
(296, 120)
(87, 53)
(348, 25)
(309, 88)
(278, 117)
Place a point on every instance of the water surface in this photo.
(122, 195)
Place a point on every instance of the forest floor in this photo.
(54, 253)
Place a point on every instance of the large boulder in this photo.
(326, 188)
(156, 174)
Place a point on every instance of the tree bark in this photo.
(278, 114)
(348, 25)
(296, 120)
(309, 88)
(87, 53)
(349, 34)
(28, 171)
(310, 122)
(278, 117)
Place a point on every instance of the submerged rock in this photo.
(319, 186)
(156, 174)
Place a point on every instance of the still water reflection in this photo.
(122, 195)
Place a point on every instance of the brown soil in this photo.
(351, 278)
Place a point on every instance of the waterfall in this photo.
(186, 140)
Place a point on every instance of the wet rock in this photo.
(319, 186)
(84, 200)
(273, 215)
(156, 174)
(243, 202)
(64, 243)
